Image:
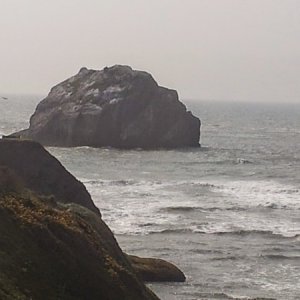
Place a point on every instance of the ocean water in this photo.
(228, 214)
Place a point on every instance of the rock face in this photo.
(51, 252)
(54, 243)
(43, 173)
(117, 107)
(154, 269)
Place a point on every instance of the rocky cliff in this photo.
(54, 243)
(50, 251)
(43, 173)
(117, 107)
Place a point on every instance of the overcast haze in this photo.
(241, 50)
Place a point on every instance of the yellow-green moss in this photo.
(49, 252)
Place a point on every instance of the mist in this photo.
(237, 50)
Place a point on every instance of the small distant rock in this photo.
(243, 161)
(116, 107)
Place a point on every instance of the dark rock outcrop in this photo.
(54, 244)
(43, 173)
(154, 269)
(49, 252)
(9, 181)
(117, 107)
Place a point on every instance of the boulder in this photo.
(115, 107)
(156, 270)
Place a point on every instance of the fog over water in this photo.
(241, 50)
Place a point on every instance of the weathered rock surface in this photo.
(43, 173)
(154, 269)
(48, 251)
(54, 244)
(117, 107)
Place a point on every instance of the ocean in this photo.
(227, 214)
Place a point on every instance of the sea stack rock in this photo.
(115, 107)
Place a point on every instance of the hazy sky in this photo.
(245, 50)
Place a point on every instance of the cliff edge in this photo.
(54, 243)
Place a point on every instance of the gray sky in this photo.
(242, 50)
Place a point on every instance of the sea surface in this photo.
(228, 214)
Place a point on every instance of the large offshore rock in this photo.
(117, 107)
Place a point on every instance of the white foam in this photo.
(127, 205)
(260, 193)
